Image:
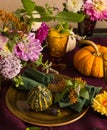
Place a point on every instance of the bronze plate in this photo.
(16, 101)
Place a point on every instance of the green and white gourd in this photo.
(39, 98)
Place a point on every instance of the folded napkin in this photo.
(82, 102)
(85, 102)
(28, 84)
(39, 76)
(32, 78)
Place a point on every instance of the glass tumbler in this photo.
(57, 45)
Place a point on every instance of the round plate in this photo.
(16, 101)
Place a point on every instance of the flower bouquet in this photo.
(94, 10)
(21, 42)
(22, 34)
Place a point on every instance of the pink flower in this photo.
(96, 9)
(42, 32)
(29, 48)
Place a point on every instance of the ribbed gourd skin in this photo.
(88, 63)
(39, 98)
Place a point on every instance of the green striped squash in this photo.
(39, 98)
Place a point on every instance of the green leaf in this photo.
(33, 128)
(66, 25)
(43, 19)
(19, 11)
(69, 17)
(69, 82)
(29, 5)
(84, 93)
(40, 10)
(18, 80)
(38, 61)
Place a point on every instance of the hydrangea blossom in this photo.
(42, 32)
(29, 48)
(10, 66)
(74, 5)
(96, 9)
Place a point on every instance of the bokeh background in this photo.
(12, 5)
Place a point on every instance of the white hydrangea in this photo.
(74, 5)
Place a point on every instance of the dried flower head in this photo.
(73, 96)
(9, 22)
(57, 85)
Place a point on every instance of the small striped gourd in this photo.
(39, 98)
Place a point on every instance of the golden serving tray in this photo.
(16, 101)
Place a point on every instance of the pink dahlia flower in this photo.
(96, 9)
(29, 48)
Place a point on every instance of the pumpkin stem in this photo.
(92, 44)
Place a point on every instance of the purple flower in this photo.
(29, 48)
(42, 32)
(10, 66)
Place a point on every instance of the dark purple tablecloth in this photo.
(90, 121)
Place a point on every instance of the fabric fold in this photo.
(32, 78)
(39, 76)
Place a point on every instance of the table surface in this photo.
(90, 121)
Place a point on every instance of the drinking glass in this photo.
(57, 45)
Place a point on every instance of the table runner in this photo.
(91, 120)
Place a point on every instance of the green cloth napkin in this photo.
(32, 78)
(84, 102)
(28, 84)
(92, 90)
(79, 106)
(39, 76)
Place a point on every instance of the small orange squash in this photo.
(88, 60)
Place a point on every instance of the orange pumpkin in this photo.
(88, 60)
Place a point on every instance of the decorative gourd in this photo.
(71, 44)
(39, 98)
(88, 60)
